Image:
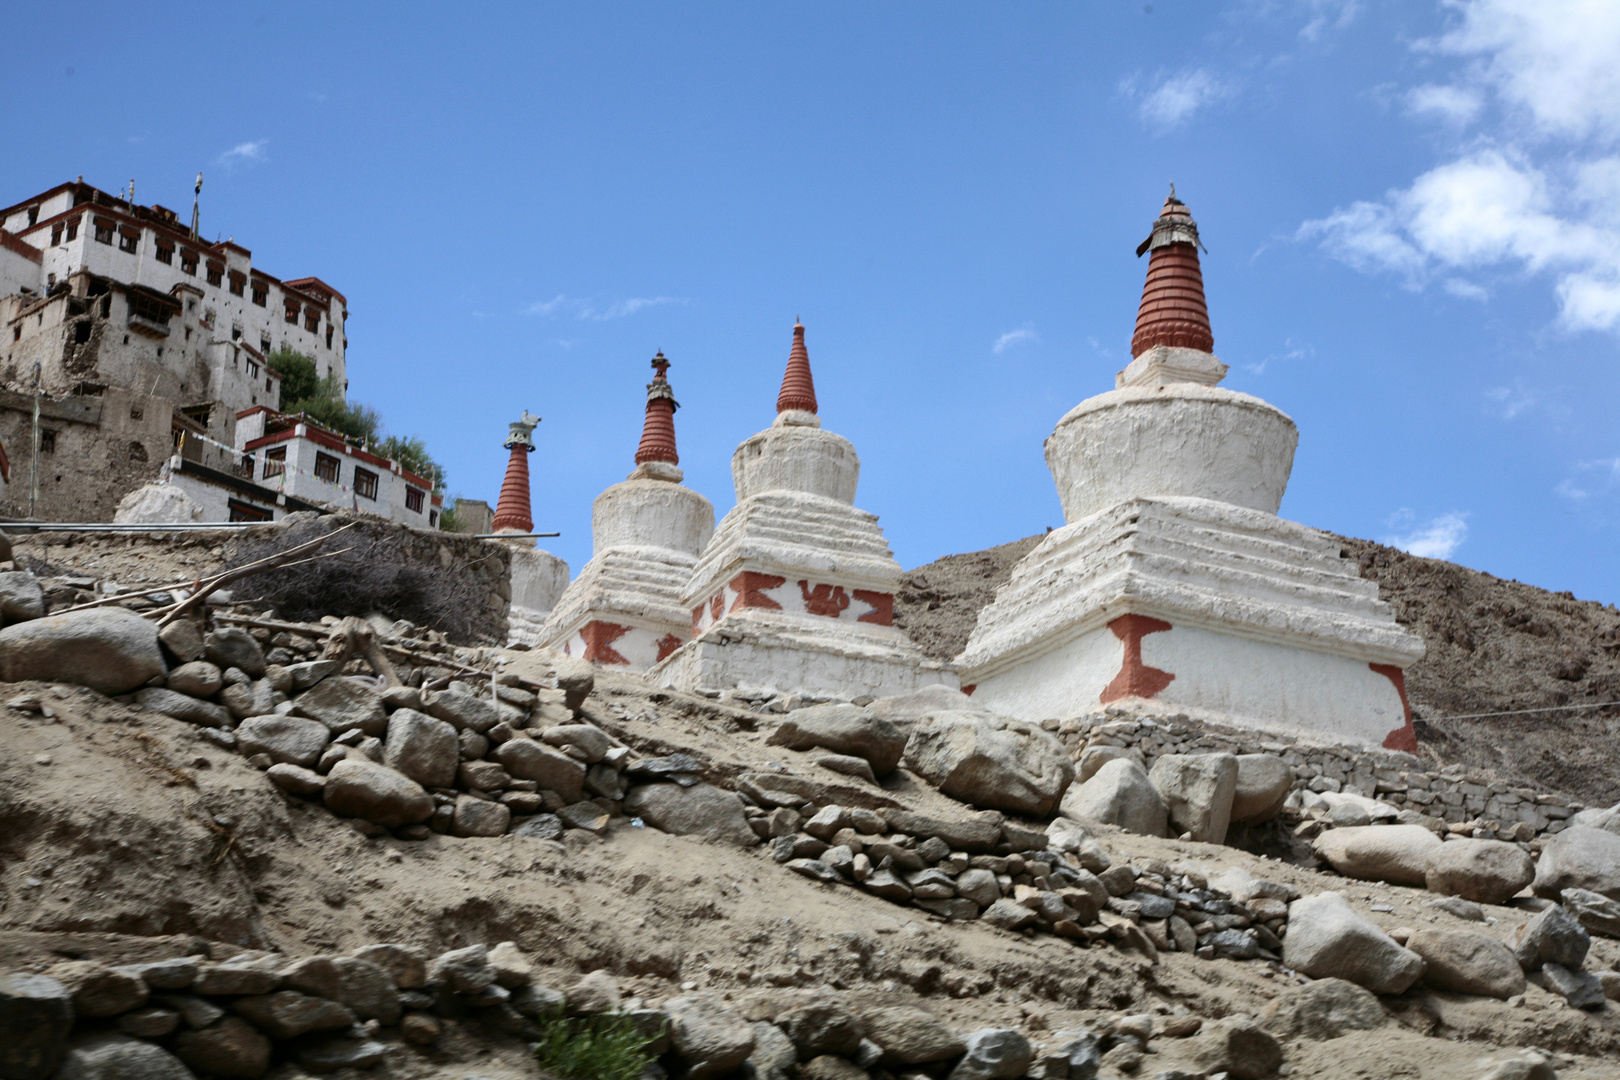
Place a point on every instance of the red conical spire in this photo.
(658, 431)
(1173, 311)
(512, 510)
(798, 388)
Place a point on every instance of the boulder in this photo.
(343, 705)
(405, 964)
(1521, 1065)
(699, 810)
(198, 678)
(463, 710)
(990, 762)
(184, 640)
(512, 968)
(1328, 938)
(773, 1056)
(329, 1053)
(541, 827)
(99, 990)
(286, 1014)
(904, 710)
(977, 834)
(375, 793)
(112, 650)
(466, 971)
(1197, 791)
(233, 647)
(594, 993)
(844, 729)
(1263, 784)
(1484, 871)
(1398, 854)
(994, 1054)
(908, 1035)
(479, 817)
(1594, 911)
(1465, 962)
(296, 780)
(21, 597)
(528, 760)
(1324, 1009)
(1119, 793)
(588, 739)
(831, 1067)
(183, 707)
(1238, 1047)
(713, 1039)
(230, 1049)
(310, 672)
(822, 1026)
(116, 1057)
(576, 678)
(289, 740)
(1577, 858)
(422, 747)
(1095, 757)
(36, 1014)
(1582, 989)
(1551, 936)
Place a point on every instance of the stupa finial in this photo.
(1173, 311)
(658, 429)
(512, 512)
(798, 388)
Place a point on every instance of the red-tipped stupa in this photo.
(798, 388)
(658, 430)
(512, 510)
(1173, 311)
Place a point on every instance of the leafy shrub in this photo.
(608, 1047)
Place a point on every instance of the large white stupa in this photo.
(1174, 581)
(625, 608)
(795, 592)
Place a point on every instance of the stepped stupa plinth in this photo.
(537, 577)
(795, 592)
(625, 609)
(1174, 582)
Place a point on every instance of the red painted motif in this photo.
(827, 600)
(697, 620)
(751, 586)
(1405, 736)
(882, 613)
(1135, 679)
(969, 688)
(668, 644)
(599, 638)
(717, 605)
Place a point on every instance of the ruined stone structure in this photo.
(1174, 580)
(538, 577)
(796, 589)
(626, 607)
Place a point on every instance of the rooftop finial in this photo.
(1173, 310)
(798, 388)
(658, 429)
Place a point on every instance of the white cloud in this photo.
(1466, 290)
(1435, 539)
(1177, 97)
(637, 303)
(1510, 401)
(1453, 104)
(1329, 15)
(247, 151)
(1591, 477)
(579, 308)
(1013, 337)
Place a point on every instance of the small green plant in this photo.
(607, 1047)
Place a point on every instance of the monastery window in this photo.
(267, 385)
(104, 231)
(216, 273)
(56, 234)
(73, 229)
(312, 320)
(433, 518)
(261, 293)
(365, 483)
(47, 442)
(253, 370)
(128, 239)
(328, 335)
(165, 252)
(326, 467)
(16, 332)
(236, 333)
(275, 462)
(264, 345)
(81, 331)
(292, 312)
(241, 511)
(188, 262)
(413, 500)
(238, 282)
(33, 215)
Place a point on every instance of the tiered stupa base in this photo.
(538, 578)
(1192, 605)
(625, 608)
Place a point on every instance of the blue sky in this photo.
(1409, 210)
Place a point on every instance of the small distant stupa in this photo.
(537, 576)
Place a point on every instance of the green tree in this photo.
(411, 452)
(322, 400)
(299, 380)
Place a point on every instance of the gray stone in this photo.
(1484, 871)
(36, 1014)
(231, 1048)
(151, 1022)
(477, 817)
(1095, 757)
(364, 987)
(107, 649)
(422, 748)
(576, 679)
(710, 1037)
(542, 827)
(1465, 962)
(512, 968)
(528, 760)
(233, 647)
(1596, 912)
(1234, 945)
(184, 641)
(248, 699)
(977, 834)
(822, 1026)
(1577, 858)
(405, 964)
(699, 810)
(1522, 1065)
(593, 994)
(606, 781)
(848, 765)
(1119, 793)
(773, 1056)
(198, 678)
(1197, 791)
(1326, 937)
(99, 990)
(21, 597)
(1582, 989)
(887, 884)
(990, 762)
(232, 978)
(1324, 1009)
(589, 739)
(343, 705)
(296, 780)
(814, 869)
(584, 815)
(375, 793)
(307, 674)
(1263, 784)
(911, 1036)
(174, 974)
(1398, 854)
(1457, 906)
(196, 1012)
(979, 886)
(114, 1057)
(1551, 936)
(287, 1014)
(1074, 1055)
(289, 740)
(463, 710)
(482, 775)
(844, 729)
(183, 707)
(1008, 915)
(1238, 1047)
(466, 971)
(831, 1067)
(333, 1052)
(994, 1054)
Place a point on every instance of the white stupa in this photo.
(625, 609)
(795, 592)
(1174, 581)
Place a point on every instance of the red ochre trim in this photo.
(599, 638)
(1135, 679)
(969, 688)
(717, 605)
(750, 587)
(826, 600)
(882, 613)
(668, 644)
(1405, 736)
(697, 619)
(512, 509)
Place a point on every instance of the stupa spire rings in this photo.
(1173, 311)
(512, 514)
(798, 387)
(658, 428)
